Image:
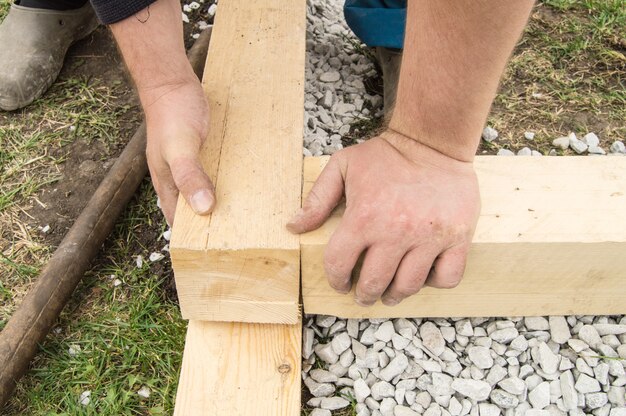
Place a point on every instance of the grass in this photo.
(130, 336)
(31, 151)
(567, 74)
(4, 7)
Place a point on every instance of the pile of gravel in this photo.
(336, 71)
(534, 366)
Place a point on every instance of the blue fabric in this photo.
(377, 22)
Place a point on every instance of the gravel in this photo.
(489, 134)
(336, 72)
(459, 366)
(533, 366)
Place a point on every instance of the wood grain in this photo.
(551, 240)
(240, 369)
(242, 254)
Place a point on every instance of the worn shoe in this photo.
(33, 44)
(389, 60)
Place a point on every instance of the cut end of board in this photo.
(233, 285)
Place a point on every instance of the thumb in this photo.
(323, 198)
(194, 185)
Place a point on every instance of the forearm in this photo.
(176, 109)
(454, 55)
(152, 45)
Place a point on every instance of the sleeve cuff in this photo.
(112, 11)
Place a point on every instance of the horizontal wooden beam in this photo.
(240, 263)
(551, 240)
(240, 369)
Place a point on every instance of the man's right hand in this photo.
(177, 119)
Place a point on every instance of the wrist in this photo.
(456, 143)
(420, 152)
(153, 91)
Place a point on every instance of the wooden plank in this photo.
(240, 263)
(240, 369)
(550, 241)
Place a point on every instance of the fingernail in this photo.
(202, 201)
(390, 301)
(298, 215)
(342, 290)
(363, 303)
(291, 225)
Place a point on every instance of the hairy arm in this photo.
(173, 101)
(454, 55)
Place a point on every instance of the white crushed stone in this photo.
(577, 145)
(618, 147)
(507, 366)
(561, 142)
(505, 152)
(489, 134)
(144, 392)
(156, 257)
(74, 350)
(212, 10)
(85, 398)
(591, 139)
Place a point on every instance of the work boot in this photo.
(33, 44)
(389, 60)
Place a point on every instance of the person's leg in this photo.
(380, 24)
(33, 44)
(377, 22)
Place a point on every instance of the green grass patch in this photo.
(4, 8)
(566, 74)
(127, 336)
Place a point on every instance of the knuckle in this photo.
(313, 200)
(411, 287)
(405, 223)
(183, 173)
(334, 267)
(363, 215)
(372, 287)
(447, 282)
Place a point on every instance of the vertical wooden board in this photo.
(550, 241)
(254, 81)
(240, 369)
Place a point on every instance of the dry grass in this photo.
(566, 74)
(31, 143)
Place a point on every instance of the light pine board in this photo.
(240, 263)
(551, 240)
(240, 369)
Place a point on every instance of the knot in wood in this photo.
(284, 368)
